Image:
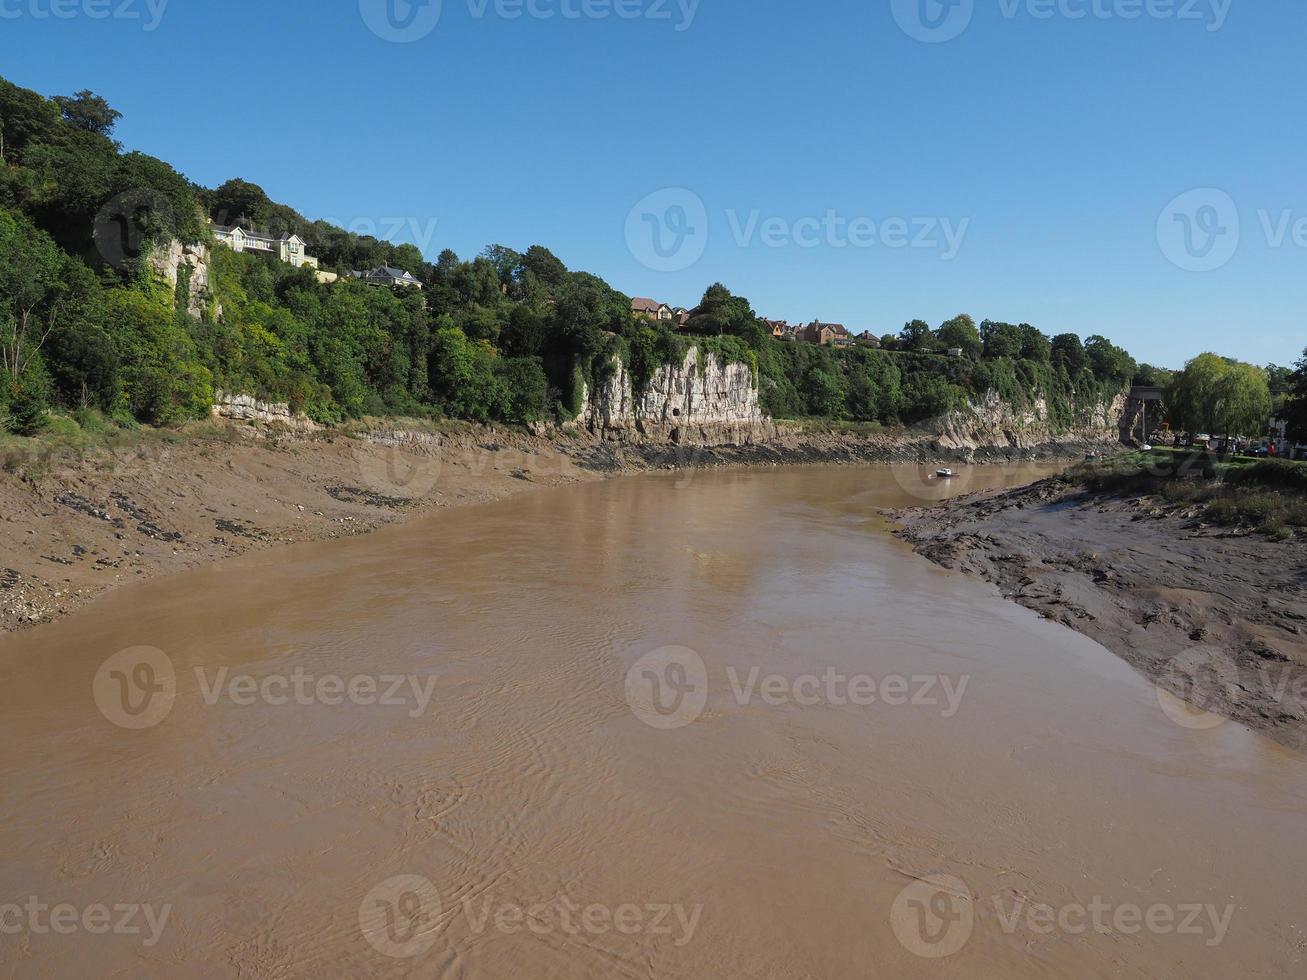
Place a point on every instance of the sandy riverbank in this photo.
(76, 524)
(1214, 616)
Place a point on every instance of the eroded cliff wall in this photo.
(992, 422)
(700, 401)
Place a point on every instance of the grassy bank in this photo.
(1266, 496)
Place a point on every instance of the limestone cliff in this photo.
(697, 401)
(704, 402)
(992, 422)
(180, 262)
(246, 408)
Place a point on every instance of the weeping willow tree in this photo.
(1219, 395)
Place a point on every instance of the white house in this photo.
(288, 248)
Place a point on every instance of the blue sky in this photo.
(1051, 146)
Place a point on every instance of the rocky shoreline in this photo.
(78, 523)
(1215, 618)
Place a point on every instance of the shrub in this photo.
(1271, 473)
(28, 401)
(1221, 512)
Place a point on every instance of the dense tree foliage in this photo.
(508, 335)
(1220, 396)
(1296, 407)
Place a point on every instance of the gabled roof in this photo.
(385, 272)
(640, 304)
(836, 328)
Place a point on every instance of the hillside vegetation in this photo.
(87, 329)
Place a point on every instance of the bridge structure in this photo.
(1136, 409)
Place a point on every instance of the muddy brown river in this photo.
(706, 726)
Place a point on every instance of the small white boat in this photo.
(945, 474)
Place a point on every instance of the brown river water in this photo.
(714, 725)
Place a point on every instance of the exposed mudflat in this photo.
(1214, 616)
(73, 525)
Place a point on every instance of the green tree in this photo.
(917, 336)
(463, 376)
(825, 392)
(88, 111)
(961, 332)
(31, 283)
(1000, 339)
(240, 202)
(1279, 377)
(1296, 407)
(721, 313)
(1109, 362)
(1069, 354)
(1035, 346)
(525, 387)
(1217, 395)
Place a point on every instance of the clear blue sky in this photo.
(1061, 140)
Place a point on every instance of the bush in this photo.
(28, 402)
(61, 427)
(93, 421)
(1271, 473)
(1221, 512)
(526, 388)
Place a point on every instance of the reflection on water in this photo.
(654, 727)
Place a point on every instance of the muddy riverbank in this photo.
(1215, 617)
(78, 523)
